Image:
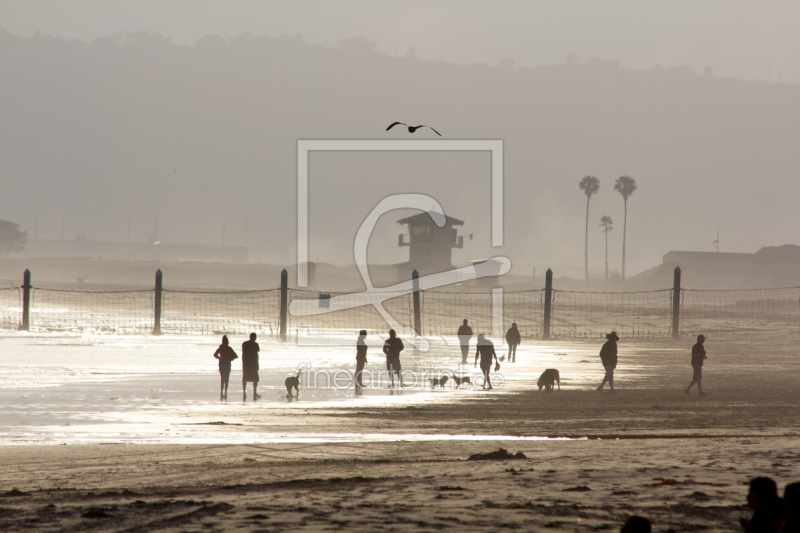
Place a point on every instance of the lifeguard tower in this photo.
(430, 248)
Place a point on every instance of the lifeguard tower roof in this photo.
(424, 218)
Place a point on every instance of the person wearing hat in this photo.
(608, 356)
(698, 356)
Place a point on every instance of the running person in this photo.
(392, 348)
(486, 352)
(250, 351)
(225, 354)
(464, 336)
(361, 358)
(698, 356)
(513, 339)
(608, 356)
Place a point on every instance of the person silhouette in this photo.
(225, 354)
(392, 348)
(513, 339)
(361, 358)
(464, 336)
(698, 356)
(764, 501)
(637, 524)
(485, 350)
(608, 356)
(791, 508)
(250, 367)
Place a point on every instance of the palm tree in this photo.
(589, 185)
(625, 185)
(606, 224)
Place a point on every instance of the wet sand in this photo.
(649, 449)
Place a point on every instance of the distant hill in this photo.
(134, 126)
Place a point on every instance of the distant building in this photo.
(771, 266)
(80, 247)
(430, 248)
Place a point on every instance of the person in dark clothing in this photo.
(608, 356)
(250, 351)
(698, 356)
(791, 509)
(361, 358)
(637, 524)
(486, 352)
(763, 499)
(392, 348)
(513, 339)
(225, 354)
(464, 336)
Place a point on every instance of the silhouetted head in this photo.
(363, 333)
(465, 321)
(224, 340)
(701, 339)
(392, 334)
(252, 336)
(637, 524)
(763, 493)
(612, 336)
(791, 500)
(514, 325)
(481, 337)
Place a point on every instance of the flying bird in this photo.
(412, 129)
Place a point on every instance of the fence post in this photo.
(284, 301)
(676, 303)
(26, 301)
(417, 315)
(548, 300)
(157, 314)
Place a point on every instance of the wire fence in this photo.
(574, 314)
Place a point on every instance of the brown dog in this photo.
(437, 382)
(292, 382)
(462, 381)
(548, 379)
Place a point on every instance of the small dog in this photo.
(548, 379)
(292, 382)
(462, 381)
(437, 382)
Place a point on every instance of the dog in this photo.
(548, 379)
(436, 382)
(462, 381)
(292, 382)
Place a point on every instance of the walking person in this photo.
(513, 339)
(250, 351)
(486, 352)
(361, 358)
(225, 354)
(698, 356)
(392, 348)
(464, 336)
(608, 356)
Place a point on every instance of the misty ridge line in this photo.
(195, 136)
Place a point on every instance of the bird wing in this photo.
(394, 124)
(437, 133)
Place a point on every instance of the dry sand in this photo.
(681, 461)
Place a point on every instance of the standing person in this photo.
(698, 356)
(361, 358)
(225, 354)
(250, 351)
(608, 356)
(513, 339)
(392, 348)
(486, 352)
(464, 336)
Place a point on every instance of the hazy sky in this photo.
(751, 40)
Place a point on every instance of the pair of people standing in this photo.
(225, 355)
(513, 339)
(391, 348)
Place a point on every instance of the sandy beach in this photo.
(401, 463)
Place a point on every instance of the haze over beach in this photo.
(544, 272)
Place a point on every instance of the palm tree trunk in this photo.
(624, 236)
(586, 240)
(606, 255)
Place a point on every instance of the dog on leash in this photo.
(439, 382)
(462, 381)
(292, 382)
(548, 379)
